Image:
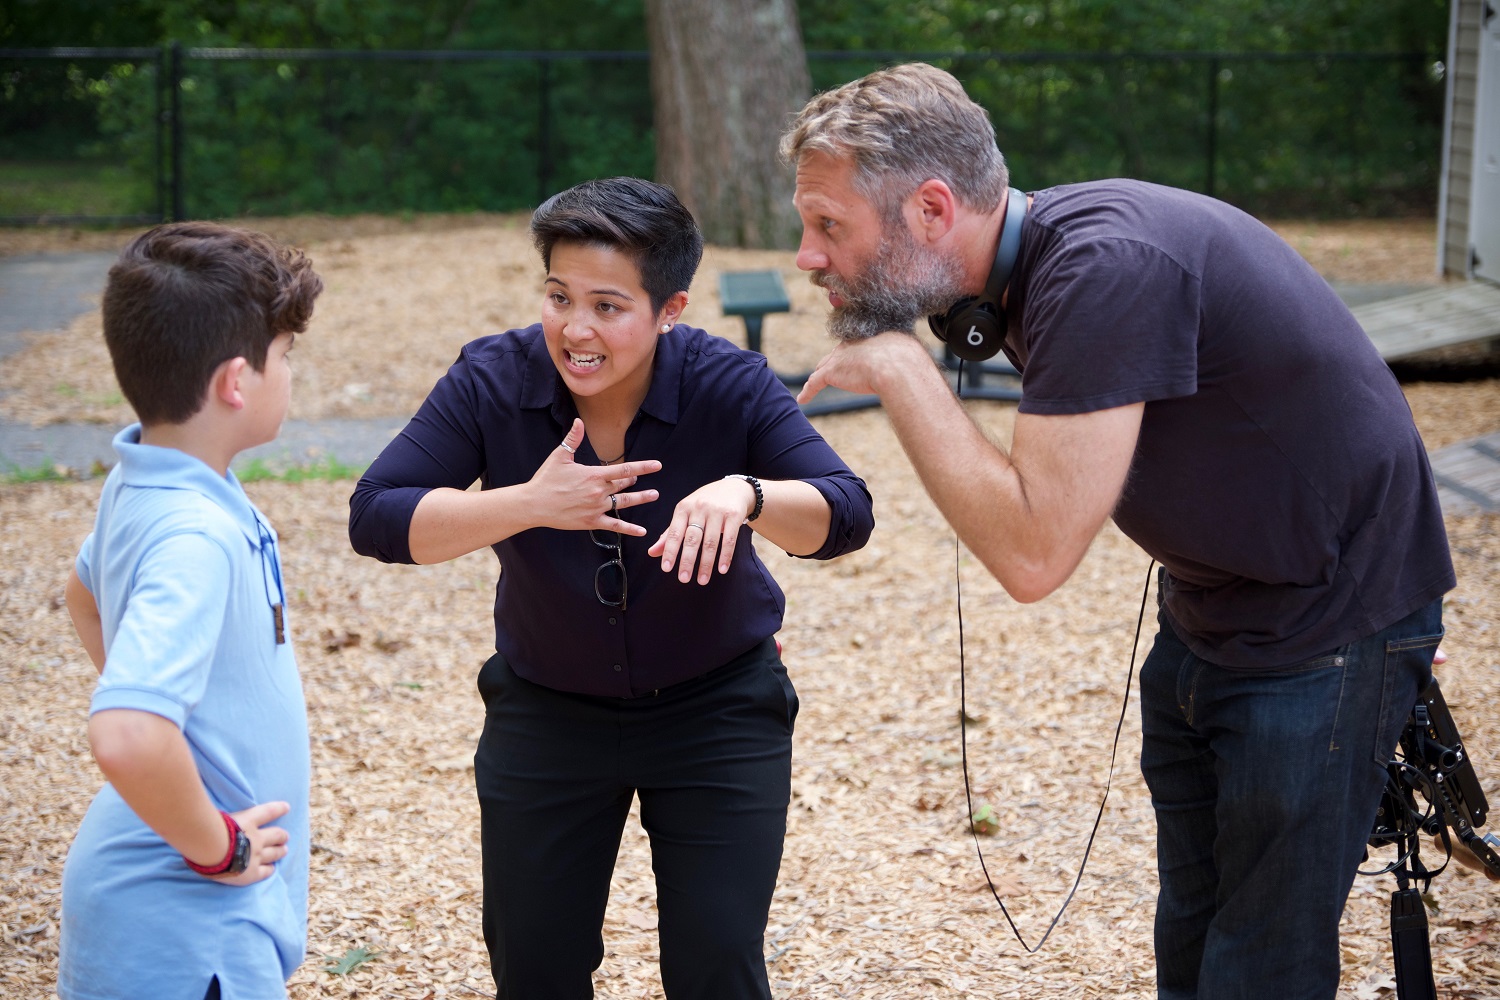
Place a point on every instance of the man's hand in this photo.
(1465, 857)
(858, 365)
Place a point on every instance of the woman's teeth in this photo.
(586, 360)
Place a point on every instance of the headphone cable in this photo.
(963, 715)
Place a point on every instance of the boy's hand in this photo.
(267, 843)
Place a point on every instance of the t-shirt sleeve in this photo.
(164, 647)
(1110, 322)
(84, 564)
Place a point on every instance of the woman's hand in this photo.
(705, 527)
(577, 497)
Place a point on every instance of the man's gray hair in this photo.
(901, 126)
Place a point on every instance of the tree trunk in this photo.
(725, 76)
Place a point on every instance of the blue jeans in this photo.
(1265, 785)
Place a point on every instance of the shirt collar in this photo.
(152, 466)
(542, 387)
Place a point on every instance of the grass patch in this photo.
(47, 472)
(68, 188)
(256, 471)
(328, 469)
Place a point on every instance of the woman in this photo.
(634, 627)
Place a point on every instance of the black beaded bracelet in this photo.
(760, 494)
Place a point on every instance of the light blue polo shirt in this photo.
(185, 571)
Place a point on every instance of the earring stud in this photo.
(666, 328)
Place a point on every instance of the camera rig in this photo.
(1430, 788)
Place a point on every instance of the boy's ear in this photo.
(225, 385)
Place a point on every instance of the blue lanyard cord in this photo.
(963, 715)
(268, 553)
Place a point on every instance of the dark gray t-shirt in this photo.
(1279, 477)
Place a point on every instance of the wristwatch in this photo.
(236, 860)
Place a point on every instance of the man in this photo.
(1187, 374)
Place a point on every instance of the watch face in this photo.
(241, 854)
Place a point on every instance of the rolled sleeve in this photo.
(785, 445)
(440, 447)
(852, 515)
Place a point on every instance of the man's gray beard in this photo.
(900, 285)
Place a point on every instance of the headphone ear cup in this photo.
(939, 323)
(974, 327)
(973, 330)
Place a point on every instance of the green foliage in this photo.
(1118, 89)
(985, 820)
(1128, 92)
(1141, 26)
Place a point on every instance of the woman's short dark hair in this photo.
(185, 297)
(639, 218)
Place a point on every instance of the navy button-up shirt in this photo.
(712, 410)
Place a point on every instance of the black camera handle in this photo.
(1432, 761)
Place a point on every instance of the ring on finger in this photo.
(613, 502)
(698, 526)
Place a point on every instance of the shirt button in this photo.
(611, 621)
(617, 668)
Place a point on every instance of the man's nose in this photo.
(809, 256)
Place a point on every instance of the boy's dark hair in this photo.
(636, 217)
(185, 297)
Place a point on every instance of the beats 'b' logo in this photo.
(974, 337)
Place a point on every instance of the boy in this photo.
(178, 886)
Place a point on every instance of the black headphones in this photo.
(974, 327)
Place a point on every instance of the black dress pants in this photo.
(710, 759)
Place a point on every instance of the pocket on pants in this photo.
(788, 692)
(492, 678)
(1408, 669)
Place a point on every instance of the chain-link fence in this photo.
(146, 134)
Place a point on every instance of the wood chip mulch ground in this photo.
(881, 895)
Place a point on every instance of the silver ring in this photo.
(612, 501)
(565, 448)
(692, 525)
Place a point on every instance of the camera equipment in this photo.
(1430, 788)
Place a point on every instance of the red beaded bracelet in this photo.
(222, 866)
